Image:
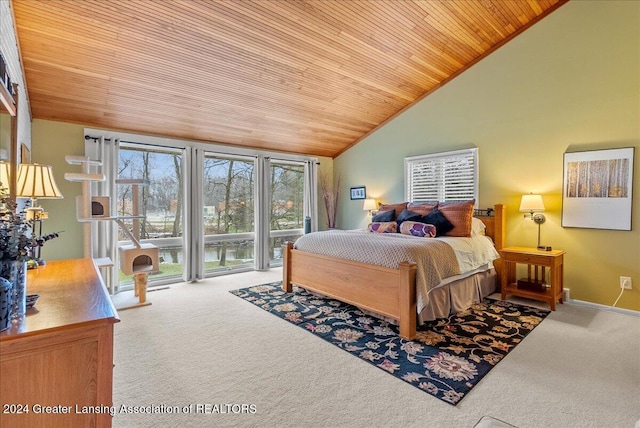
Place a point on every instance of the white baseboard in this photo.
(603, 307)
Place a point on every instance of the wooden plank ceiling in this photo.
(309, 77)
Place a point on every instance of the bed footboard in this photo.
(388, 292)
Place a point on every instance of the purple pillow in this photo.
(383, 227)
(415, 228)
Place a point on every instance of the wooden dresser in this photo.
(56, 366)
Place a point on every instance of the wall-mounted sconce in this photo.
(370, 205)
(533, 204)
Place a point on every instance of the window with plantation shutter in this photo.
(442, 177)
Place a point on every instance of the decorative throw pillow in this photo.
(384, 216)
(477, 227)
(383, 227)
(460, 215)
(415, 228)
(422, 208)
(441, 223)
(407, 215)
(398, 208)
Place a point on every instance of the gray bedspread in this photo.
(435, 259)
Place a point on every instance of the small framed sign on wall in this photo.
(597, 189)
(358, 192)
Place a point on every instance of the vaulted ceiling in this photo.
(311, 77)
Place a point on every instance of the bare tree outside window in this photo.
(287, 203)
(228, 210)
(228, 185)
(160, 202)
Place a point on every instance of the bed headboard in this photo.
(495, 221)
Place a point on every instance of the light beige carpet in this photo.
(199, 346)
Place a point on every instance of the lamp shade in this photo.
(36, 181)
(369, 205)
(531, 203)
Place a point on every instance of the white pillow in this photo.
(477, 226)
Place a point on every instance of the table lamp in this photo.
(35, 182)
(533, 204)
(370, 205)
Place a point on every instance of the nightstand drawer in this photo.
(532, 259)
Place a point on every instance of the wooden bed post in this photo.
(407, 300)
(499, 225)
(286, 267)
(499, 235)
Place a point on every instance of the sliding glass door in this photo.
(160, 201)
(228, 202)
(286, 207)
(209, 209)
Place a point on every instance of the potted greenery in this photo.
(17, 243)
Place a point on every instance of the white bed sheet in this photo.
(474, 254)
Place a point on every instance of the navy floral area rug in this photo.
(447, 358)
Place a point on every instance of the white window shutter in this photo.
(442, 177)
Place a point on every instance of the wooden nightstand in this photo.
(534, 259)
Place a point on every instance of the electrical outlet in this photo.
(625, 282)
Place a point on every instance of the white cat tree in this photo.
(136, 259)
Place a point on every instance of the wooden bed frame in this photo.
(386, 291)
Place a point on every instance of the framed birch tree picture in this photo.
(597, 189)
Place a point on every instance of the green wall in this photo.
(51, 142)
(571, 82)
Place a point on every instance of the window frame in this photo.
(193, 157)
(438, 160)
